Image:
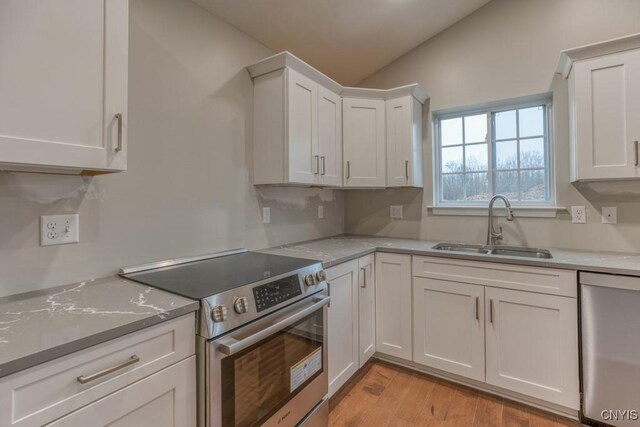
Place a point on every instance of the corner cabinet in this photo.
(604, 106)
(310, 131)
(63, 86)
(297, 128)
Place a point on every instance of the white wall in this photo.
(188, 187)
(507, 49)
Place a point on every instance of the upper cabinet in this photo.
(63, 86)
(364, 142)
(309, 130)
(297, 124)
(604, 106)
(404, 136)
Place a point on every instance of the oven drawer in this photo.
(49, 391)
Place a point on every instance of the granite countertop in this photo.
(335, 250)
(39, 326)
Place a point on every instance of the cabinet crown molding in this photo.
(289, 60)
(569, 56)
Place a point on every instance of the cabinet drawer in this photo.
(533, 279)
(46, 392)
(165, 399)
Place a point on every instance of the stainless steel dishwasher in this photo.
(610, 325)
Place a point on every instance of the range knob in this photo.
(241, 305)
(310, 280)
(321, 276)
(219, 313)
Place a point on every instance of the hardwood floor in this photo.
(386, 395)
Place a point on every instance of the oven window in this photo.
(258, 381)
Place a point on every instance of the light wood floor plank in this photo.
(384, 395)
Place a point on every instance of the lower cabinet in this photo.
(164, 399)
(351, 318)
(366, 308)
(448, 322)
(532, 344)
(393, 305)
(343, 324)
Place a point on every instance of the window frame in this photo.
(489, 109)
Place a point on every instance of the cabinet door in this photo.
(164, 399)
(63, 80)
(343, 324)
(532, 344)
(364, 142)
(404, 142)
(330, 137)
(448, 326)
(367, 308)
(302, 128)
(607, 107)
(393, 305)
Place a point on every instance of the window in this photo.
(500, 150)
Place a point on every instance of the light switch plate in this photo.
(578, 215)
(266, 215)
(609, 215)
(59, 229)
(395, 211)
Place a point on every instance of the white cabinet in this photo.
(164, 399)
(604, 92)
(297, 130)
(366, 308)
(364, 142)
(532, 345)
(393, 305)
(329, 138)
(343, 324)
(404, 142)
(63, 85)
(448, 322)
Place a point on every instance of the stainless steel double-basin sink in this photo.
(517, 251)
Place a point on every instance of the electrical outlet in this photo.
(578, 215)
(320, 212)
(266, 215)
(609, 215)
(59, 229)
(395, 211)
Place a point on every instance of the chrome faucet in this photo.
(494, 236)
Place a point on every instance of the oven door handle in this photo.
(230, 346)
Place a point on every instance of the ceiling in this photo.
(346, 39)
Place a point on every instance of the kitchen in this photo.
(156, 128)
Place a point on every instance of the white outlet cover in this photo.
(395, 211)
(266, 215)
(609, 215)
(59, 229)
(320, 212)
(578, 215)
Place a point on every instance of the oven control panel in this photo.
(274, 293)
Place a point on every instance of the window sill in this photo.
(518, 211)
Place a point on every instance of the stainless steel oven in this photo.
(261, 335)
(271, 372)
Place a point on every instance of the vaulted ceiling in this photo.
(346, 39)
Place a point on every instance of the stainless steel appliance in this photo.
(262, 335)
(610, 347)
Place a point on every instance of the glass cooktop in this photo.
(200, 279)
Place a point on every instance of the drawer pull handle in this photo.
(364, 277)
(491, 311)
(635, 144)
(85, 379)
(477, 308)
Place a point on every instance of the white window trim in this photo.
(536, 208)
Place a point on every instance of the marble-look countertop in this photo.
(335, 250)
(39, 326)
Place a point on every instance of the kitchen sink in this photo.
(517, 251)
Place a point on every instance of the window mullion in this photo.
(518, 165)
(490, 166)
